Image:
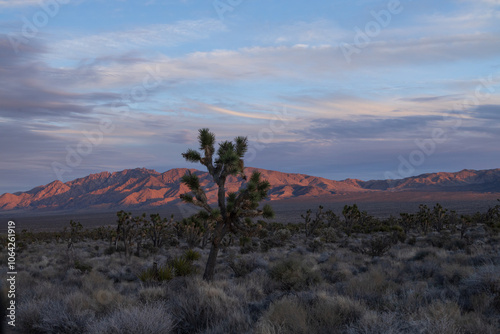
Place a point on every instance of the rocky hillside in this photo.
(147, 188)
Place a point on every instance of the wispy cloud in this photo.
(254, 115)
(117, 42)
(19, 3)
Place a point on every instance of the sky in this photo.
(363, 89)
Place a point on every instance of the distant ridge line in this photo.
(147, 188)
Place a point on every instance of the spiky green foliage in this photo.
(267, 212)
(182, 266)
(235, 212)
(192, 181)
(191, 255)
(158, 274)
(192, 156)
(207, 141)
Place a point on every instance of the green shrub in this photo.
(181, 266)
(245, 240)
(192, 255)
(293, 274)
(328, 235)
(376, 245)
(157, 274)
(422, 254)
(83, 267)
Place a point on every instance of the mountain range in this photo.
(146, 188)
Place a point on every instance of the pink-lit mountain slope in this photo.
(142, 188)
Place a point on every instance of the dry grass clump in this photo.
(295, 274)
(145, 319)
(200, 307)
(49, 315)
(311, 313)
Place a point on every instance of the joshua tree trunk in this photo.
(212, 260)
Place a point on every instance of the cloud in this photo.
(253, 115)
(19, 3)
(488, 112)
(370, 128)
(119, 42)
(318, 32)
(306, 63)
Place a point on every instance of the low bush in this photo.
(157, 274)
(294, 274)
(147, 319)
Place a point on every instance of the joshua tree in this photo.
(424, 216)
(352, 215)
(439, 217)
(234, 213)
(125, 230)
(156, 228)
(313, 224)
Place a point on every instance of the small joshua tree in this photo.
(352, 215)
(235, 211)
(312, 224)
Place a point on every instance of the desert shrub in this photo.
(287, 315)
(263, 233)
(397, 234)
(422, 270)
(456, 244)
(379, 323)
(245, 240)
(422, 254)
(332, 275)
(110, 250)
(250, 247)
(440, 317)
(294, 228)
(481, 290)
(294, 274)
(484, 279)
(282, 235)
(376, 245)
(328, 314)
(201, 307)
(412, 240)
(192, 255)
(270, 242)
(373, 287)
(51, 316)
(157, 274)
(147, 319)
(328, 235)
(310, 313)
(242, 266)
(275, 226)
(315, 245)
(83, 267)
(182, 266)
(152, 294)
(450, 274)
